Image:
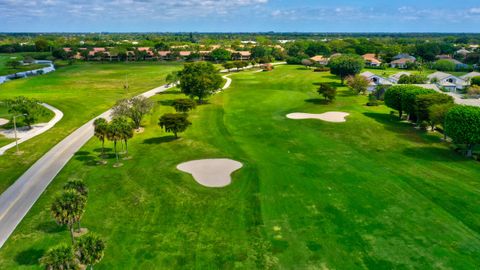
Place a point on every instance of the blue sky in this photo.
(240, 15)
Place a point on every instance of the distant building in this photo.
(402, 62)
(371, 60)
(320, 59)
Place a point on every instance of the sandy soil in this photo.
(211, 172)
(3, 121)
(335, 117)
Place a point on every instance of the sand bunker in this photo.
(335, 117)
(3, 121)
(211, 172)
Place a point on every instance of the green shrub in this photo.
(462, 124)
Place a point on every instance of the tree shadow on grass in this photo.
(168, 102)
(86, 158)
(173, 91)
(160, 140)
(436, 154)
(50, 227)
(29, 256)
(99, 150)
(405, 129)
(334, 84)
(317, 101)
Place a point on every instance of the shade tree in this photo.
(346, 65)
(328, 91)
(423, 103)
(134, 108)
(358, 84)
(184, 105)
(199, 80)
(174, 122)
(462, 124)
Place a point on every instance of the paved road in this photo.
(35, 131)
(17, 200)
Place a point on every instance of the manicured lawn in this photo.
(371, 193)
(81, 92)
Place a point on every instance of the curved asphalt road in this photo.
(17, 200)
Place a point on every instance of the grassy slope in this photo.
(368, 193)
(81, 92)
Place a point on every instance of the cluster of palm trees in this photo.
(120, 129)
(68, 209)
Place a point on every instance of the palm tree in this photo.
(114, 133)
(68, 208)
(61, 257)
(90, 250)
(126, 131)
(80, 187)
(101, 128)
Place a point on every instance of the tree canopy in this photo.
(174, 122)
(462, 124)
(200, 80)
(346, 65)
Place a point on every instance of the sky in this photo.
(239, 16)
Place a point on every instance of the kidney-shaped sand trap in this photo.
(336, 117)
(211, 172)
(3, 121)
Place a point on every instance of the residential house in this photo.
(404, 56)
(164, 55)
(401, 63)
(463, 52)
(375, 81)
(396, 77)
(320, 59)
(447, 81)
(242, 55)
(371, 60)
(443, 57)
(469, 76)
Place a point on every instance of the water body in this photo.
(24, 74)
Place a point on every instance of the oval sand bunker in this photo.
(3, 121)
(211, 172)
(335, 117)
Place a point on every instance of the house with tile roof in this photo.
(371, 60)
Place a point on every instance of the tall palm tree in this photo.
(100, 129)
(68, 208)
(61, 257)
(126, 131)
(80, 187)
(90, 250)
(114, 133)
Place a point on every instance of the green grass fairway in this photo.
(81, 92)
(371, 193)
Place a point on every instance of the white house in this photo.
(320, 59)
(375, 81)
(447, 81)
(396, 77)
(469, 76)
